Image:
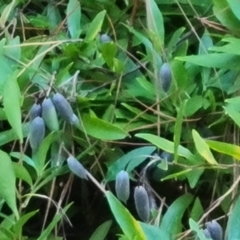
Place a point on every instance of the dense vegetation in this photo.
(119, 119)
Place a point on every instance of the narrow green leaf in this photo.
(101, 129)
(203, 148)
(197, 210)
(143, 39)
(231, 46)
(178, 129)
(10, 135)
(232, 113)
(22, 173)
(216, 60)
(7, 182)
(155, 20)
(172, 220)
(165, 145)
(101, 232)
(234, 5)
(95, 26)
(41, 154)
(153, 232)
(74, 18)
(44, 235)
(18, 227)
(129, 161)
(233, 229)
(130, 227)
(223, 12)
(14, 48)
(12, 105)
(194, 227)
(24, 158)
(225, 148)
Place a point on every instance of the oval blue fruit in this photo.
(75, 120)
(165, 76)
(215, 230)
(37, 133)
(49, 115)
(76, 167)
(104, 38)
(206, 233)
(35, 111)
(122, 186)
(142, 204)
(63, 107)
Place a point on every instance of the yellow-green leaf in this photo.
(12, 105)
(203, 148)
(225, 148)
(130, 227)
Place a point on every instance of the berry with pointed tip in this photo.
(76, 167)
(142, 205)
(63, 107)
(35, 111)
(122, 187)
(165, 76)
(49, 115)
(215, 230)
(37, 133)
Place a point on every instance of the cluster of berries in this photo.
(143, 198)
(46, 114)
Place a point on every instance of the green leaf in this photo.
(153, 232)
(10, 135)
(109, 51)
(101, 129)
(233, 229)
(12, 105)
(225, 148)
(232, 46)
(130, 227)
(24, 158)
(18, 227)
(233, 113)
(203, 148)
(44, 235)
(214, 60)
(193, 105)
(74, 18)
(129, 161)
(197, 210)
(178, 129)
(234, 5)
(165, 145)
(22, 173)
(155, 20)
(41, 154)
(225, 15)
(194, 227)
(101, 232)
(172, 220)
(95, 26)
(13, 49)
(143, 39)
(7, 182)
